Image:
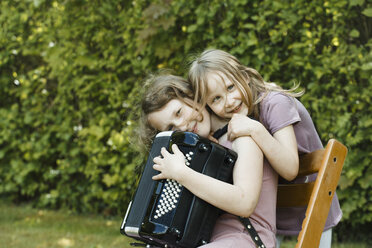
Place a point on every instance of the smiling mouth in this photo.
(237, 109)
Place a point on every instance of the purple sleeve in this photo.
(278, 111)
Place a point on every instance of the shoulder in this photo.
(278, 110)
(274, 97)
(277, 101)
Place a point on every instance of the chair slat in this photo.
(310, 163)
(323, 192)
(290, 195)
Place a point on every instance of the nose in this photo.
(181, 124)
(229, 102)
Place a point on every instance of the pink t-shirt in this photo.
(276, 112)
(229, 231)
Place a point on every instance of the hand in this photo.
(171, 166)
(241, 125)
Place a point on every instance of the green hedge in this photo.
(71, 72)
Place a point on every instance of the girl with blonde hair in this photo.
(273, 117)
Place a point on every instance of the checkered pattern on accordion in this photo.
(164, 213)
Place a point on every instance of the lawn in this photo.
(25, 227)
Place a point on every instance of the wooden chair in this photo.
(317, 195)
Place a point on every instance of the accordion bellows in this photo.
(164, 213)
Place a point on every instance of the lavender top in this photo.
(276, 112)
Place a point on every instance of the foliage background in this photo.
(71, 73)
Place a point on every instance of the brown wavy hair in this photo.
(159, 89)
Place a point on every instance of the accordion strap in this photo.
(252, 232)
(218, 133)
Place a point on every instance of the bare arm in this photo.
(239, 198)
(280, 149)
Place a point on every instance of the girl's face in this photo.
(177, 115)
(223, 96)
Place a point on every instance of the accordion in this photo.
(164, 213)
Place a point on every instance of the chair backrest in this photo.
(317, 195)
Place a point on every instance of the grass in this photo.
(22, 226)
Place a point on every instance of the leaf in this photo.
(110, 180)
(354, 33)
(367, 12)
(356, 2)
(192, 28)
(366, 67)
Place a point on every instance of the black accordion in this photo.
(164, 213)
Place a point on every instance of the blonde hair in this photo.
(250, 83)
(158, 91)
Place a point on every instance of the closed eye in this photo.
(177, 114)
(216, 98)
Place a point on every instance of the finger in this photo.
(210, 137)
(164, 151)
(230, 133)
(230, 136)
(158, 177)
(156, 167)
(175, 149)
(157, 160)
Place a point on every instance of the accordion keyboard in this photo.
(169, 197)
